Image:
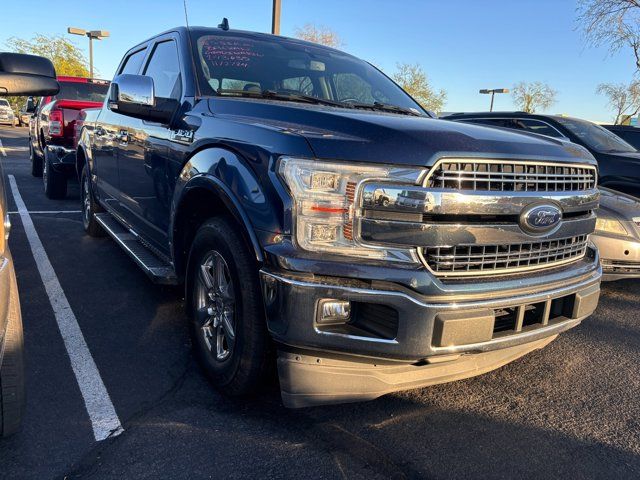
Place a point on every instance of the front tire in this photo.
(36, 161)
(12, 369)
(89, 206)
(227, 319)
(55, 183)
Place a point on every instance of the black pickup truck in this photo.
(315, 213)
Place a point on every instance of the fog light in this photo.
(334, 311)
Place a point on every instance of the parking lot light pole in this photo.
(493, 91)
(92, 34)
(275, 17)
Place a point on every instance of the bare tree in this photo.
(614, 23)
(414, 81)
(319, 34)
(623, 99)
(530, 97)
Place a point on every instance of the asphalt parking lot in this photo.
(570, 410)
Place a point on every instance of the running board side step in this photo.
(158, 270)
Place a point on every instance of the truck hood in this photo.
(361, 135)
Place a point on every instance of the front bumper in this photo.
(620, 256)
(396, 331)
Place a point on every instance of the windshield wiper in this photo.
(286, 96)
(385, 107)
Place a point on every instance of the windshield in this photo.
(595, 136)
(83, 91)
(234, 63)
(3, 102)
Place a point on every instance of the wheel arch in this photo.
(202, 197)
(81, 160)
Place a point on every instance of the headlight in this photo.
(610, 225)
(324, 209)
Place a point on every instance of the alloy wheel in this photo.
(216, 305)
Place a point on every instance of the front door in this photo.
(107, 141)
(144, 153)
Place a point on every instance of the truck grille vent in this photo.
(464, 260)
(511, 176)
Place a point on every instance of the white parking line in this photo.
(103, 416)
(51, 212)
(4, 154)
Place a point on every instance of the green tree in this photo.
(67, 58)
(414, 81)
(65, 55)
(530, 97)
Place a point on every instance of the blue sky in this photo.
(463, 45)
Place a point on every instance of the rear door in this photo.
(144, 156)
(107, 138)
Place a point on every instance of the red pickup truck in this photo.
(52, 130)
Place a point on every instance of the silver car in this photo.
(617, 235)
(7, 116)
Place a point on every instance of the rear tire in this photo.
(55, 183)
(225, 304)
(12, 368)
(89, 206)
(36, 161)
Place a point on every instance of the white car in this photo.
(7, 116)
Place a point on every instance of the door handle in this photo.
(123, 136)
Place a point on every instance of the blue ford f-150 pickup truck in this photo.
(315, 213)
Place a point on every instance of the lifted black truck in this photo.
(314, 210)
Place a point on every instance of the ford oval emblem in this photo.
(540, 218)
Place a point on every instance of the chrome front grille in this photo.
(510, 176)
(467, 260)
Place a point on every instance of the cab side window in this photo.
(133, 63)
(164, 68)
(536, 126)
(491, 122)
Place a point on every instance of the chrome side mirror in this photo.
(132, 90)
(134, 96)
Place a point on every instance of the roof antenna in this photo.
(224, 25)
(186, 17)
